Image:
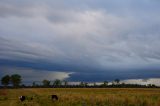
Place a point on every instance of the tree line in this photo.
(15, 80)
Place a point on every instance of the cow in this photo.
(54, 97)
(22, 98)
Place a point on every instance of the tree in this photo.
(94, 84)
(117, 81)
(85, 84)
(82, 84)
(16, 80)
(105, 83)
(57, 83)
(65, 83)
(46, 83)
(34, 84)
(5, 80)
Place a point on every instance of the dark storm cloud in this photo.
(96, 40)
(110, 75)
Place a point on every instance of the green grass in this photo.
(81, 97)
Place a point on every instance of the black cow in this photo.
(54, 97)
(22, 98)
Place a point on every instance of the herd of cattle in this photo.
(23, 98)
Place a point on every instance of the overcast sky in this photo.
(80, 40)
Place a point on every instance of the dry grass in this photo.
(82, 97)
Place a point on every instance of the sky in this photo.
(80, 40)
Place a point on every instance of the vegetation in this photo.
(46, 83)
(57, 83)
(16, 80)
(82, 97)
(5, 80)
(117, 81)
(105, 83)
(65, 83)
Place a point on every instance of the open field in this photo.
(81, 97)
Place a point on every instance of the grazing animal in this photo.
(22, 98)
(54, 97)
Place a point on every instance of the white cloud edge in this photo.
(155, 81)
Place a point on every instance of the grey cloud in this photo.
(89, 35)
(82, 34)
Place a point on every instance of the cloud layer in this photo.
(30, 75)
(96, 40)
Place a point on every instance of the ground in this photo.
(81, 97)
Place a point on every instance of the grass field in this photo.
(81, 97)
